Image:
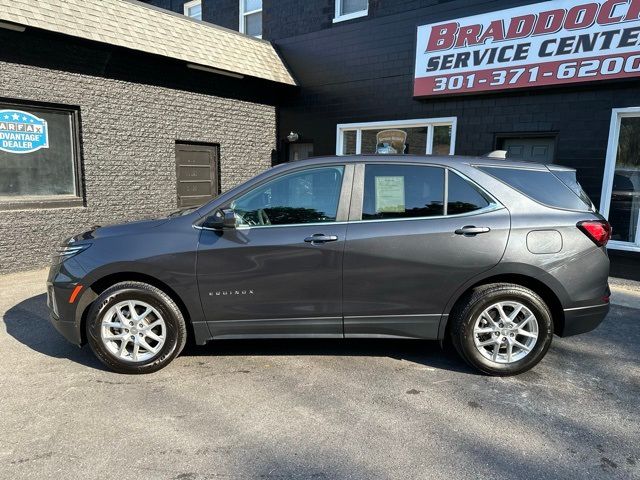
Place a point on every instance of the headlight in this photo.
(67, 251)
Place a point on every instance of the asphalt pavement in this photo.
(326, 409)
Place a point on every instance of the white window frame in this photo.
(349, 16)
(243, 14)
(617, 114)
(430, 123)
(191, 4)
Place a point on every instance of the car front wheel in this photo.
(502, 329)
(134, 327)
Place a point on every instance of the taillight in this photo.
(597, 230)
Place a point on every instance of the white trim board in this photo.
(188, 5)
(617, 114)
(243, 14)
(412, 123)
(337, 17)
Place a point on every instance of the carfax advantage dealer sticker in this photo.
(22, 132)
(549, 43)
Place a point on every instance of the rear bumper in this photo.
(583, 319)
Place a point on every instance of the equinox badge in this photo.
(230, 292)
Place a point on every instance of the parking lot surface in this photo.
(314, 409)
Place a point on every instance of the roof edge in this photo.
(154, 31)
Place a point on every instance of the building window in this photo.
(417, 137)
(620, 200)
(193, 9)
(348, 9)
(39, 163)
(251, 17)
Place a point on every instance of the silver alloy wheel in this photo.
(505, 332)
(133, 331)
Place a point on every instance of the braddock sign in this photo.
(549, 43)
(22, 132)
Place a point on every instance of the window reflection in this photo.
(310, 196)
(625, 196)
(402, 191)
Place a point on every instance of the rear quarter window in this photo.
(463, 197)
(541, 186)
(568, 177)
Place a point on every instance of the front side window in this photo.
(348, 9)
(38, 154)
(309, 196)
(251, 17)
(402, 191)
(193, 9)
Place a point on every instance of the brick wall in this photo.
(291, 18)
(128, 133)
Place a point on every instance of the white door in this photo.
(620, 201)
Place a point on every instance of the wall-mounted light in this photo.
(293, 137)
(13, 26)
(195, 66)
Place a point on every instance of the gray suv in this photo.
(497, 256)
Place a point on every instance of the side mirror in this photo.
(221, 219)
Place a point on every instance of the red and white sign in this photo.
(549, 43)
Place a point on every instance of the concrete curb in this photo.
(625, 297)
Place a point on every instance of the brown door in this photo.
(197, 173)
(300, 151)
(530, 149)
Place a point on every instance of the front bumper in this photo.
(583, 319)
(69, 330)
(65, 316)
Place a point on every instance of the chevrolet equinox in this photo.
(495, 255)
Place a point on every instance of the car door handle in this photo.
(471, 230)
(320, 238)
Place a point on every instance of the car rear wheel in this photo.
(502, 329)
(134, 327)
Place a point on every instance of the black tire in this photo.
(176, 331)
(469, 309)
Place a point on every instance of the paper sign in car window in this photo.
(390, 194)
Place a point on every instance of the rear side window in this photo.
(402, 191)
(540, 185)
(463, 197)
